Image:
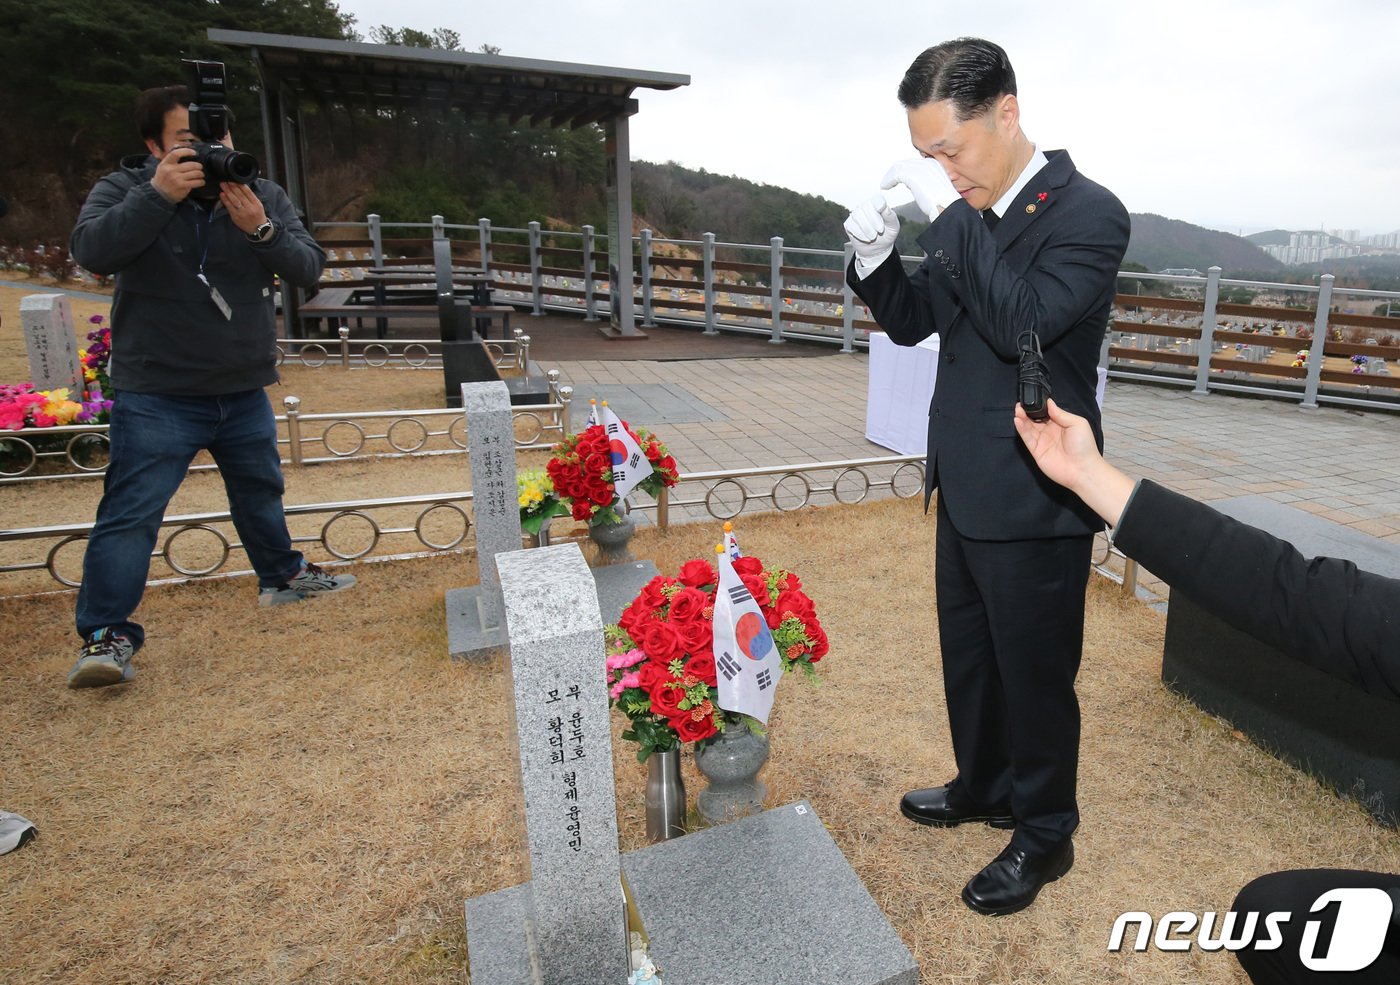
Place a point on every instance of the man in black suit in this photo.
(1027, 243)
(1324, 612)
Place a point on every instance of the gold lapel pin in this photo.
(1030, 209)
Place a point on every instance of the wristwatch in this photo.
(263, 233)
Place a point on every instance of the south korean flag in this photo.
(746, 658)
(629, 463)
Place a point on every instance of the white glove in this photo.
(872, 227)
(925, 180)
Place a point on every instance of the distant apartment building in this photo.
(1313, 247)
(1386, 241)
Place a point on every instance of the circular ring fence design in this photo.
(452, 508)
(409, 445)
(50, 561)
(343, 514)
(359, 443)
(313, 347)
(864, 486)
(414, 360)
(908, 469)
(710, 498)
(92, 437)
(194, 572)
(23, 448)
(803, 500)
(377, 359)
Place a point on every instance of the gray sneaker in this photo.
(311, 581)
(104, 659)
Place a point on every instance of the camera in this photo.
(209, 118)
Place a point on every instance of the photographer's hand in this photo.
(178, 174)
(244, 208)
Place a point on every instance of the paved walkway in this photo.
(731, 413)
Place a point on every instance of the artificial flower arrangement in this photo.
(661, 669)
(21, 406)
(538, 504)
(581, 471)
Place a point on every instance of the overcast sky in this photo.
(1238, 115)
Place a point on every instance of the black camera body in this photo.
(209, 118)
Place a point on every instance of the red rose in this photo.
(651, 593)
(688, 604)
(791, 582)
(703, 667)
(661, 641)
(748, 566)
(668, 466)
(796, 603)
(757, 587)
(666, 700)
(582, 510)
(820, 643)
(698, 573)
(696, 635)
(690, 730)
(653, 675)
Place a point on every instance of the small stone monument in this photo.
(731, 920)
(569, 920)
(475, 629)
(47, 321)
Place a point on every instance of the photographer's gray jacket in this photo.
(168, 336)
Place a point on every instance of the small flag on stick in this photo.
(746, 658)
(629, 464)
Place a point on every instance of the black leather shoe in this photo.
(1014, 879)
(943, 808)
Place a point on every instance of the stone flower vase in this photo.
(612, 540)
(730, 762)
(665, 795)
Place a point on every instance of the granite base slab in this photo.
(617, 585)
(779, 904)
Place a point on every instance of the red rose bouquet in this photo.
(581, 471)
(661, 669)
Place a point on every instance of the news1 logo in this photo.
(1359, 919)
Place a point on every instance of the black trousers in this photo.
(1011, 627)
(1296, 892)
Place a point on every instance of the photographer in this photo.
(193, 345)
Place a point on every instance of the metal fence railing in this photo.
(1203, 331)
(79, 451)
(395, 528)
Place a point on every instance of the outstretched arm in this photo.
(1064, 449)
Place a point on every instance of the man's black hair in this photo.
(151, 107)
(970, 72)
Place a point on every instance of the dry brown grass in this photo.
(308, 794)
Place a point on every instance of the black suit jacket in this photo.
(1050, 265)
(1325, 612)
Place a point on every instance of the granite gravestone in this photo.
(47, 320)
(731, 923)
(475, 629)
(1318, 722)
(568, 921)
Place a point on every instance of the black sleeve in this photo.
(1324, 611)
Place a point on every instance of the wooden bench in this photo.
(490, 314)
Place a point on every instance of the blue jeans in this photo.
(154, 437)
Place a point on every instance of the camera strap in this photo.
(203, 243)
